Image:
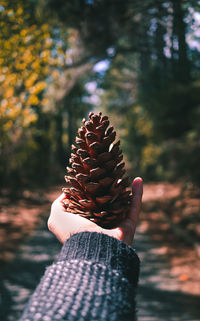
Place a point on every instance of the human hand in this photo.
(64, 224)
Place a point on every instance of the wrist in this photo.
(103, 249)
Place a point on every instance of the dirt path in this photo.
(161, 294)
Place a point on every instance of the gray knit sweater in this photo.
(94, 279)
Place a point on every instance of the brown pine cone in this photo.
(97, 188)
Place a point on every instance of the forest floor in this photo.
(169, 287)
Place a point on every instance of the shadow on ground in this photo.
(157, 305)
(21, 276)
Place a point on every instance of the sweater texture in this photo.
(94, 279)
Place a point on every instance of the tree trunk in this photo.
(159, 36)
(181, 66)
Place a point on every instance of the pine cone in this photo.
(97, 190)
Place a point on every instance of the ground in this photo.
(169, 288)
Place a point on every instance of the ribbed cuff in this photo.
(103, 249)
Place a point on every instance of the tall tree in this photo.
(181, 65)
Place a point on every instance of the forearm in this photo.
(94, 278)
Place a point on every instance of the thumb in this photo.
(137, 190)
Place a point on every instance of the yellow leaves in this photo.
(20, 66)
(16, 116)
(45, 27)
(9, 92)
(40, 86)
(46, 35)
(3, 3)
(35, 65)
(28, 117)
(14, 112)
(7, 45)
(19, 11)
(23, 32)
(11, 79)
(31, 118)
(45, 55)
(32, 100)
(31, 80)
(27, 56)
(14, 54)
(8, 125)
(10, 12)
(32, 28)
(30, 58)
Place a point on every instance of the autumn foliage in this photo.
(32, 54)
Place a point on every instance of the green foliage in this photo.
(157, 98)
(174, 109)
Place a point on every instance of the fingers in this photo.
(137, 189)
(58, 201)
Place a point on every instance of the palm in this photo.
(63, 224)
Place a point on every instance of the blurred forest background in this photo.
(138, 61)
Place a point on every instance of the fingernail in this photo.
(137, 185)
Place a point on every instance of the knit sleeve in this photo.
(94, 279)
